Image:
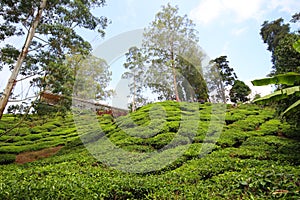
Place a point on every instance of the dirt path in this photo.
(35, 155)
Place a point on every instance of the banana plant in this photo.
(296, 46)
(289, 79)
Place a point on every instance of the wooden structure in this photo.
(99, 108)
(50, 98)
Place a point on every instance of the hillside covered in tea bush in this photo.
(254, 156)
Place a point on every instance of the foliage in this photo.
(239, 92)
(220, 76)
(278, 95)
(173, 55)
(36, 135)
(287, 59)
(296, 46)
(288, 92)
(287, 79)
(253, 158)
(280, 39)
(273, 32)
(55, 38)
(194, 87)
(256, 96)
(92, 77)
(7, 158)
(135, 61)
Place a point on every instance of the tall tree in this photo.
(286, 58)
(287, 97)
(279, 38)
(92, 77)
(168, 37)
(193, 85)
(49, 27)
(295, 18)
(135, 64)
(273, 32)
(220, 77)
(239, 92)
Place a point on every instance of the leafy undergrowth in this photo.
(244, 153)
(35, 134)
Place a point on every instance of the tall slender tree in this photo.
(49, 30)
(135, 65)
(220, 76)
(167, 38)
(279, 38)
(273, 32)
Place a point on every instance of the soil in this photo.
(35, 155)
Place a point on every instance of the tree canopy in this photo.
(279, 38)
(172, 50)
(239, 92)
(136, 71)
(50, 27)
(220, 76)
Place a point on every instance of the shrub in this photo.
(11, 149)
(33, 137)
(60, 131)
(160, 140)
(173, 126)
(71, 146)
(270, 127)
(49, 126)
(37, 129)
(7, 159)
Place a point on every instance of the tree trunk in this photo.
(12, 80)
(174, 73)
(133, 98)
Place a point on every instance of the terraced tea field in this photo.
(165, 150)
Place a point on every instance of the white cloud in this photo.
(240, 10)
(288, 6)
(130, 8)
(239, 31)
(207, 11)
(225, 48)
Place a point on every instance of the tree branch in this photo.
(20, 100)
(41, 39)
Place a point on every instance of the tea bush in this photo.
(249, 155)
(7, 159)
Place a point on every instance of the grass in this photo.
(255, 156)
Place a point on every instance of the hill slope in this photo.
(253, 156)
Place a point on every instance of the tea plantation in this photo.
(243, 153)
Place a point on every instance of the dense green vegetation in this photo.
(255, 157)
(35, 133)
(283, 44)
(165, 150)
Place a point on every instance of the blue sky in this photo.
(226, 27)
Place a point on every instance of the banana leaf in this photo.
(288, 79)
(278, 95)
(291, 108)
(296, 46)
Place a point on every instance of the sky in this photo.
(226, 27)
